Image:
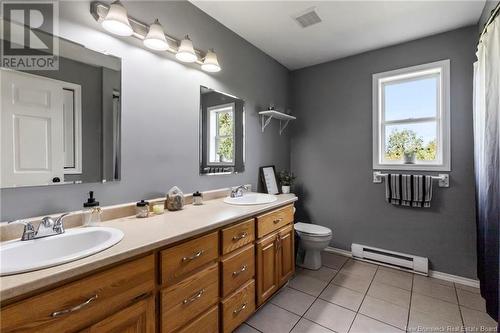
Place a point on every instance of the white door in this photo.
(32, 130)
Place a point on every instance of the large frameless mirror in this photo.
(62, 125)
(222, 133)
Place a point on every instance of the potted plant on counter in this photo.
(286, 180)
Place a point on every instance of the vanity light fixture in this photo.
(210, 63)
(155, 39)
(114, 18)
(116, 21)
(186, 53)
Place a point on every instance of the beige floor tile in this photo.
(467, 288)
(273, 319)
(293, 300)
(433, 288)
(474, 321)
(308, 284)
(363, 324)
(471, 300)
(434, 280)
(394, 277)
(331, 316)
(307, 326)
(244, 328)
(354, 282)
(384, 311)
(342, 296)
(436, 308)
(332, 260)
(324, 273)
(390, 294)
(359, 268)
(425, 322)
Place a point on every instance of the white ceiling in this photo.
(347, 27)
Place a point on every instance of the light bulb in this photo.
(116, 21)
(186, 51)
(155, 39)
(210, 63)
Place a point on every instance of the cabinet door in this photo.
(286, 254)
(137, 318)
(267, 267)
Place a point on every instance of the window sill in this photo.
(412, 167)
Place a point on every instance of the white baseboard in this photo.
(433, 274)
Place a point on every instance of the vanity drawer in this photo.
(237, 269)
(189, 298)
(274, 220)
(238, 307)
(237, 236)
(206, 323)
(79, 304)
(184, 258)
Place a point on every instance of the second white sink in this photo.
(25, 256)
(251, 199)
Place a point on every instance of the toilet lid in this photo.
(312, 229)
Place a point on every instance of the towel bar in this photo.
(443, 178)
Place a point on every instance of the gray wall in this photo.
(488, 7)
(160, 109)
(332, 156)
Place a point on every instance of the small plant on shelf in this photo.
(286, 179)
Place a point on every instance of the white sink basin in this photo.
(24, 256)
(251, 199)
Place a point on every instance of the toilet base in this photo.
(311, 260)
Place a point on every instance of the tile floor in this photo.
(357, 297)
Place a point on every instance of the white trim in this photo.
(77, 90)
(442, 119)
(217, 109)
(434, 274)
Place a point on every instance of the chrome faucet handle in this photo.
(58, 224)
(29, 230)
(238, 191)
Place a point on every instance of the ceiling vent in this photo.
(307, 18)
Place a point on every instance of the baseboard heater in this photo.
(390, 258)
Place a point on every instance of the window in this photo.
(221, 135)
(411, 121)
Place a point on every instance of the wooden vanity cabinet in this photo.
(207, 284)
(275, 254)
(108, 297)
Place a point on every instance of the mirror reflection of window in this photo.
(221, 143)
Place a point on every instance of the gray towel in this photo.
(408, 190)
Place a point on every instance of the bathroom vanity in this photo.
(204, 269)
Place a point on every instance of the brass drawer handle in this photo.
(194, 297)
(276, 221)
(240, 236)
(74, 308)
(243, 268)
(194, 256)
(241, 308)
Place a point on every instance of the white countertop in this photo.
(141, 236)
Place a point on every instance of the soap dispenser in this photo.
(91, 211)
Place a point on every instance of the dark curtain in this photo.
(486, 163)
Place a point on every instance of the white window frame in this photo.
(443, 162)
(77, 118)
(219, 109)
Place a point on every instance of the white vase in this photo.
(409, 158)
(285, 189)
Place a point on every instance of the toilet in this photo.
(313, 239)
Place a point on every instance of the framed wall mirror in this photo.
(222, 133)
(62, 126)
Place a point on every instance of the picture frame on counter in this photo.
(269, 180)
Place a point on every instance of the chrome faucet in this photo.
(237, 192)
(48, 227)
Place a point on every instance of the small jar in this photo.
(142, 209)
(197, 198)
(159, 208)
(91, 211)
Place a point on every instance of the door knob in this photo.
(56, 180)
